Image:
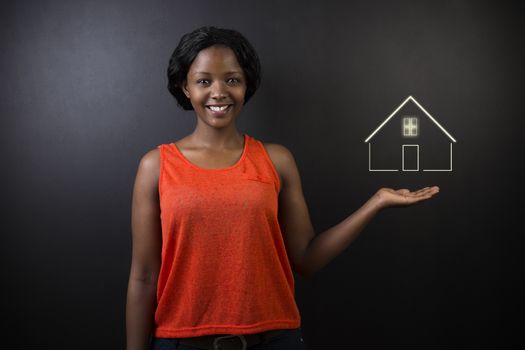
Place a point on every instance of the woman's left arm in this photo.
(307, 251)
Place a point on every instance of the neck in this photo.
(217, 139)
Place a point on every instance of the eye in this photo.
(233, 81)
(203, 81)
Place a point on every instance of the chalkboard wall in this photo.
(83, 97)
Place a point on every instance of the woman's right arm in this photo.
(146, 253)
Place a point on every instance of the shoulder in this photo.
(278, 153)
(283, 160)
(151, 159)
(149, 166)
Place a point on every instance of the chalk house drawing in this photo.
(414, 143)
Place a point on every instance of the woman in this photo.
(219, 219)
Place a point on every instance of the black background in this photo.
(83, 97)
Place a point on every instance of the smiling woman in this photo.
(215, 85)
(219, 220)
(193, 43)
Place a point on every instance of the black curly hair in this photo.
(192, 43)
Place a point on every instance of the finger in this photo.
(418, 193)
(421, 195)
(422, 190)
(424, 196)
(428, 190)
(415, 200)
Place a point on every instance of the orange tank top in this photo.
(224, 266)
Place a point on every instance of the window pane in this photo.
(409, 126)
(414, 126)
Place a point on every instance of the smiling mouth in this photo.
(221, 108)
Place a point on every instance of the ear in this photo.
(185, 88)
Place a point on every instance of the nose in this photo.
(218, 90)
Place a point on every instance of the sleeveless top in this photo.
(224, 266)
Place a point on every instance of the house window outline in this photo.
(409, 98)
(410, 126)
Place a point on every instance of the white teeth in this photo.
(217, 108)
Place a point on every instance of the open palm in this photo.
(403, 197)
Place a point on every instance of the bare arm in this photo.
(145, 263)
(326, 246)
(309, 252)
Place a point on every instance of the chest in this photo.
(212, 159)
(218, 196)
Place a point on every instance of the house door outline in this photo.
(404, 149)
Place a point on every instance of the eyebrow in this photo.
(231, 72)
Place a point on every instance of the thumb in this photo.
(403, 191)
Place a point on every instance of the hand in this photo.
(388, 197)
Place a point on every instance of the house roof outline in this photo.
(410, 98)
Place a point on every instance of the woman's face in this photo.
(216, 86)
